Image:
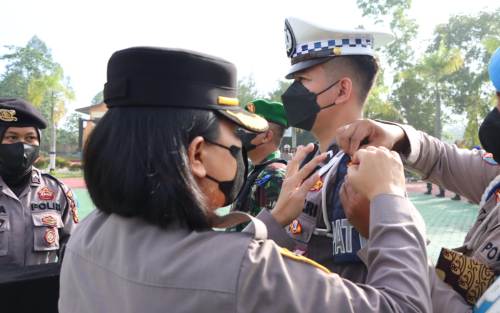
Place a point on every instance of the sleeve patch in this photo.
(263, 180)
(72, 206)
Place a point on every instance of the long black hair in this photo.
(135, 164)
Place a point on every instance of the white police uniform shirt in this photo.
(35, 226)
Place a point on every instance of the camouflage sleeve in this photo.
(267, 187)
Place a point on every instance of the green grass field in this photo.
(85, 204)
(447, 221)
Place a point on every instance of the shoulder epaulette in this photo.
(300, 258)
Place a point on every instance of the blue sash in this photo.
(346, 240)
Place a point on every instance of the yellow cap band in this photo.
(228, 101)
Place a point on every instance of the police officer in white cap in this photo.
(333, 71)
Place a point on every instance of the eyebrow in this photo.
(10, 132)
(301, 75)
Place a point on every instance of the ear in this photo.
(195, 155)
(344, 91)
(268, 137)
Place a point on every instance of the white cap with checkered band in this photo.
(308, 44)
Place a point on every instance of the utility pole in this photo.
(52, 152)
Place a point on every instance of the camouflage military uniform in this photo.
(265, 189)
(267, 186)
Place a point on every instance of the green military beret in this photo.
(272, 111)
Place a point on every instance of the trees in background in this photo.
(448, 78)
(32, 74)
(423, 86)
(476, 37)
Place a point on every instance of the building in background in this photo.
(95, 113)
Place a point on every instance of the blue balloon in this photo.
(494, 69)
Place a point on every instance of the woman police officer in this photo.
(159, 163)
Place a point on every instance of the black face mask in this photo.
(301, 105)
(246, 139)
(16, 160)
(489, 134)
(231, 188)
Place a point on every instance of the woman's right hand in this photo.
(376, 170)
(296, 185)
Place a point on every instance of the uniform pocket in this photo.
(45, 230)
(4, 234)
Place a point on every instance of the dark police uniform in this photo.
(155, 269)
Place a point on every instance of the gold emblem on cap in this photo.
(227, 101)
(251, 107)
(8, 115)
(337, 51)
(249, 120)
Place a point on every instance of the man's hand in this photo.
(364, 132)
(295, 186)
(376, 171)
(356, 208)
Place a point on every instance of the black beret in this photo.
(159, 77)
(19, 113)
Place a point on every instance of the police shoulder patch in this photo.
(299, 258)
(295, 227)
(72, 206)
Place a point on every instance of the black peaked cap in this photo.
(160, 77)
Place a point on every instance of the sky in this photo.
(82, 35)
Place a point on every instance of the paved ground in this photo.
(447, 221)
